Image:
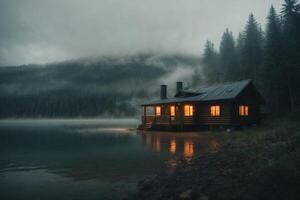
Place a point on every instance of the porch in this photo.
(168, 116)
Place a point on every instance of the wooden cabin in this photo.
(225, 105)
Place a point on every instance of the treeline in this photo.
(270, 57)
(67, 103)
(99, 87)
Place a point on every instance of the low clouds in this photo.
(35, 31)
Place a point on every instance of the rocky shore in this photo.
(253, 164)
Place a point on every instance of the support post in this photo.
(145, 115)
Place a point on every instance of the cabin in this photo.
(227, 105)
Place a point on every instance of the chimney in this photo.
(179, 86)
(163, 91)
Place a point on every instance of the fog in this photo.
(35, 31)
(103, 87)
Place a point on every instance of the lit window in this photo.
(243, 110)
(172, 111)
(188, 110)
(215, 110)
(157, 110)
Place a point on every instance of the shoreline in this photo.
(255, 163)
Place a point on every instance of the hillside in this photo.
(90, 87)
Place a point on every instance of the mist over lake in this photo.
(86, 159)
(149, 99)
(99, 87)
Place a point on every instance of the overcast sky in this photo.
(40, 31)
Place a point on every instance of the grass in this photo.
(254, 163)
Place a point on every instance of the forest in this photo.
(260, 162)
(270, 57)
(89, 87)
(116, 86)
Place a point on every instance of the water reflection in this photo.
(74, 159)
(186, 144)
(80, 158)
(188, 148)
(173, 146)
(156, 144)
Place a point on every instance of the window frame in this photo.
(214, 112)
(243, 110)
(190, 109)
(157, 108)
(174, 114)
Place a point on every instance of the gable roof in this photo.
(211, 93)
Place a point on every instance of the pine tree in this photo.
(210, 63)
(228, 59)
(272, 69)
(273, 40)
(291, 32)
(252, 51)
(240, 42)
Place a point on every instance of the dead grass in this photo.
(256, 163)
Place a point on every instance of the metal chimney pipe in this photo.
(163, 91)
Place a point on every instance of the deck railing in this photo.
(148, 119)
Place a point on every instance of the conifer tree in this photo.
(240, 42)
(210, 63)
(228, 59)
(252, 51)
(291, 31)
(272, 68)
(272, 62)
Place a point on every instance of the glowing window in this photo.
(188, 110)
(157, 110)
(172, 111)
(243, 110)
(215, 110)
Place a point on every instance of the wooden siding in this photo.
(168, 120)
(247, 97)
(229, 114)
(205, 118)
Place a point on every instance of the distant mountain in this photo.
(90, 87)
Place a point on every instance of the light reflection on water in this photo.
(186, 144)
(173, 146)
(188, 149)
(86, 159)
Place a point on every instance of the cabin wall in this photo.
(252, 118)
(247, 97)
(229, 113)
(201, 116)
(204, 115)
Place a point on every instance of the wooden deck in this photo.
(150, 121)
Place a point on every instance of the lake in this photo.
(87, 159)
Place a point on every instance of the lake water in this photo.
(86, 159)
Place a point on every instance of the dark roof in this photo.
(211, 93)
